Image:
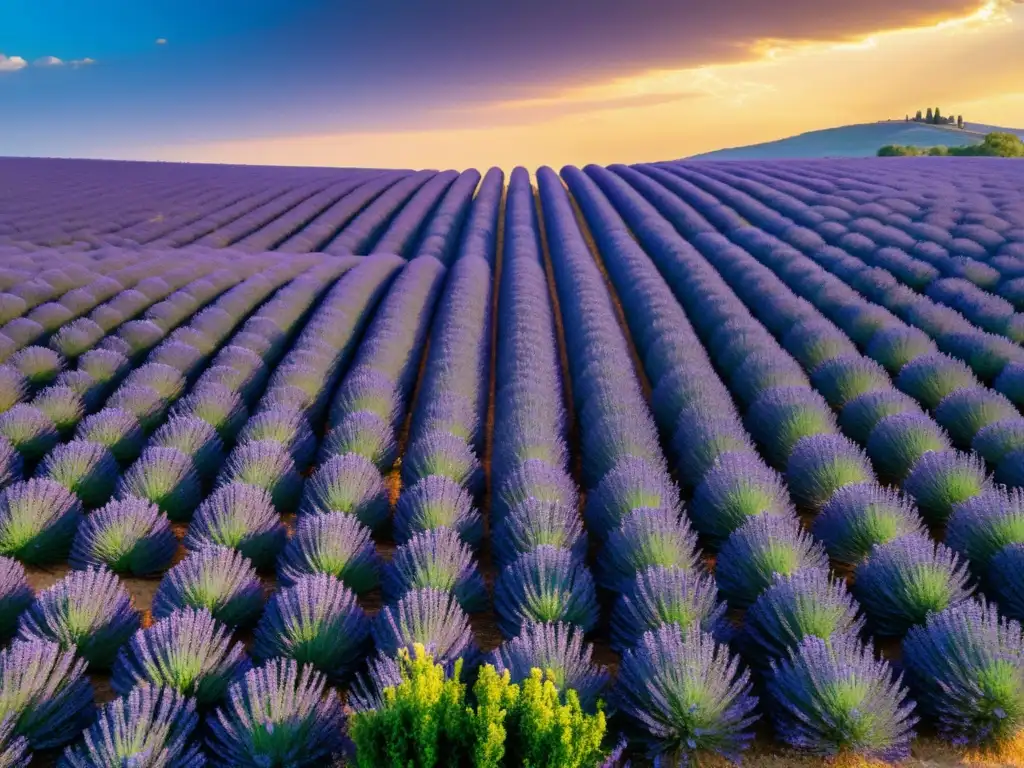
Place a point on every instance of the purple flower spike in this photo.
(631, 484)
(966, 412)
(13, 749)
(761, 548)
(114, 429)
(662, 595)
(942, 480)
(832, 697)
(965, 669)
(88, 470)
(218, 579)
(289, 428)
(166, 477)
(983, 525)
(534, 479)
(47, 691)
(542, 586)
(14, 387)
(61, 405)
(738, 487)
(338, 545)
(903, 581)
(929, 378)
(38, 364)
(12, 467)
(162, 379)
(15, 596)
(684, 694)
(440, 560)
(1006, 576)
(196, 439)
(365, 434)
(241, 517)
(29, 431)
(178, 355)
(104, 365)
(366, 691)
(822, 464)
(437, 502)
(445, 455)
(858, 517)
(316, 621)
(808, 603)
(534, 523)
(87, 611)
(369, 391)
(188, 651)
(558, 649)
(348, 485)
(862, 414)
(781, 417)
(144, 403)
(429, 617)
(647, 537)
(267, 465)
(997, 441)
(218, 406)
(150, 726)
(131, 536)
(843, 379)
(898, 442)
(38, 519)
(278, 715)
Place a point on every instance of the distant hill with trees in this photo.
(935, 117)
(996, 144)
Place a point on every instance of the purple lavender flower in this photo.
(862, 414)
(447, 412)
(11, 464)
(997, 441)
(647, 537)
(289, 428)
(140, 336)
(545, 585)
(277, 715)
(808, 603)
(822, 464)
(781, 417)
(88, 470)
(38, 364)
(150, 726)
(168, 382)
(684, 694)
(899, 441)
(429, 617)
(843, 379)
(738, 487)
(61, 405)
(832, 697)
(762, 371)
(983, 525)
(1006, 579)
(527, 432)
(929, 378)
(15, 596)
(13, 749)
(316, 621)
(241, 517)
(131, 536)
(437, 502)
(188, 651)
(534, 523)
(87, 611)
(965, 412)
(942, 480)
(436, 559)
(29, 431)
(667, 595)
(144, 403)
(348, 485)
(178, 355)
(284, 397)
(249, 365)
(338, 545)
(615, 436)
(534, 479)
(631, 484)
(104, 365)
(758, 550)
(218, 579)
(166, 477)
(365, 434)
(14, 387)
(218, 406)
(895, 347)
(441, 454)
(557, 649)
(858, 517)
(114, 429)
(814, 343)
(196, 439)
(38, 519)
(903, 581)
(965, 669)
(47, 692)
(267, 465)
(369, 391)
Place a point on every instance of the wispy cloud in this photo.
(48, 61)
(12, 63)
(76, 63)
(161, 41)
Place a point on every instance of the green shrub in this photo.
(431, 719)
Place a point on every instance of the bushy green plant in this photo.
(433, 719)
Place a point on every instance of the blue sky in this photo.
(241, 70)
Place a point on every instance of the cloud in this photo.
(48, 61)
(161, 41)
(12, 63)
(76, 63)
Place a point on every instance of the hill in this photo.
(855, 141)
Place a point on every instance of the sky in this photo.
(463, 83)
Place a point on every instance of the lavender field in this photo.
(734, 449)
